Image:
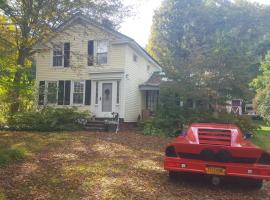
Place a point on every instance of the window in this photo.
(52, 92)
(135, 58)
(57, 56)
(151, 100)
(118, 92)
(96, 100)
(78, 92)
(61, 55)
(64, 92)
(102, 52)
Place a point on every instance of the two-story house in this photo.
(92, 67)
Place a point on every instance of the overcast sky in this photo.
(138, 27)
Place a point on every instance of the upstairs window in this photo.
(61, 55)
(102, 52)
(57, 56)
(78, 92)
(135, 57)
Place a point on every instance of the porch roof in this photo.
(152, 83)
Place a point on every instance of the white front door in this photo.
(106, 93)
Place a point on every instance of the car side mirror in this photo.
(248, 135)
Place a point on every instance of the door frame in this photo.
(98, 106)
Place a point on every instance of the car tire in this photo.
(256, 184)
(173, 175)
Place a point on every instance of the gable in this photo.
(82, 29)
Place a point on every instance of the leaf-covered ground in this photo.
(102, 166)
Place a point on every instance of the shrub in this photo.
(49, 119)
(150, 129)
(169, 124)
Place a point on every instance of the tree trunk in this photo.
(15, 90)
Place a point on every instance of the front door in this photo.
(106, 98)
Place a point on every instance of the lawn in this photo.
(262, 136)
(83, 165)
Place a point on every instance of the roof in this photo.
(122, 37)
(153, 82)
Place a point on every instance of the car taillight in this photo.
(264, 159)
(170, 152)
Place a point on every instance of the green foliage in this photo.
(49, 119)
(210, 47)
(150, 129)
(171, 116)
(8, 155)
(169, 126)
(262, 86)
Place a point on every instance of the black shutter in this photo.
(91, 53)
(61, 88)
(41, 93)
(87, 100)
(66, 54)
(67, 92)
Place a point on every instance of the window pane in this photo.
(52, 92)
(57, 56)
(78, 92)
(102, 47)
(101, 58)
(96, 101)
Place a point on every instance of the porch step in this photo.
(93, 128)
(95, 125)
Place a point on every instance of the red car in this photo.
(218, 150)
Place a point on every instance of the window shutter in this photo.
(87, 100)
(66, 54)
(91, 53)
(41, 93)
(61, 88)
(67, 92)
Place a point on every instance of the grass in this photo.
(262, 136)
(83, 165)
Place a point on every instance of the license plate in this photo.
(215, 170)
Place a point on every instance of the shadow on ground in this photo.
(104, 166)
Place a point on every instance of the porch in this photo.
(150, 95)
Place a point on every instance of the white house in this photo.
(92, 67)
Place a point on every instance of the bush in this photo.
(150, 129)
(169, 124)
(49, 119)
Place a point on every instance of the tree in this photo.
(210, 48)
(35, 20)
(262, 86)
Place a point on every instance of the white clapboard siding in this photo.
(136, 74)
(78, 36)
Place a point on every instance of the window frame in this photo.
(60, 46)
(97, 53)
(73, 92)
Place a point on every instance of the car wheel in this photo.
(173, 175)
(256, 184)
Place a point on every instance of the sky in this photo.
(138, 27)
